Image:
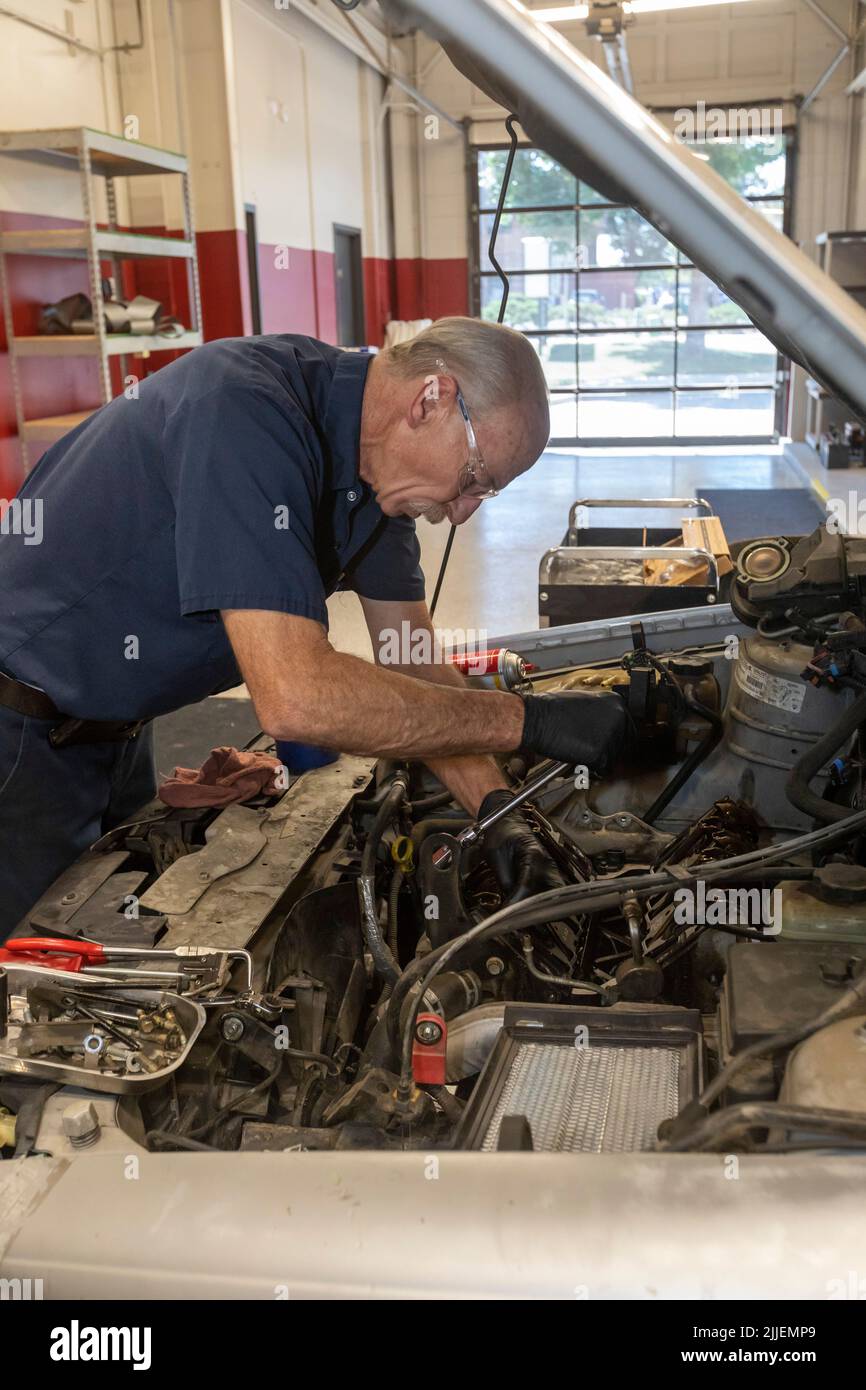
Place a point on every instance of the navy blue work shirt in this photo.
(230, 482)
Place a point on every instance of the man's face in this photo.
(432, 469)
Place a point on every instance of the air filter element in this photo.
(584, 1080)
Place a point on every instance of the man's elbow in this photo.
(285, 722)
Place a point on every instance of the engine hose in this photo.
(797, 787)
(555, 903)
(693, 761)
(438, 825)
(383, 959)
(732, 1124)
(431, 803)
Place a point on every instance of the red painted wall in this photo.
(287, 292)
(297, 291)
(431, 289)
(379, 297)
(224, 288)
(301, 297)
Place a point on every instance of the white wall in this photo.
(297, 106)
(47, 84)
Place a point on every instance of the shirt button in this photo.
(351, 496)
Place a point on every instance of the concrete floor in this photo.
(492, 579)
(830, 483)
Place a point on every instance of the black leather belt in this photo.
(26, 699)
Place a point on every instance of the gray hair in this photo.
(494, 366)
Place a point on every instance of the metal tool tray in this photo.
(581, 533)
(598, 572)
(190, 1015)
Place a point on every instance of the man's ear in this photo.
(435, 393)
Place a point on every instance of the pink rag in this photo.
(227, 775)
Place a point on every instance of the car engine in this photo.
(339, 967)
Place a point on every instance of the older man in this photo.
(192, 532)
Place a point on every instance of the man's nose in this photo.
(462, 508)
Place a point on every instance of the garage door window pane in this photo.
(558, 355)
(587, 195)
(725, 357)
(702, 302)
(620, 318)
(534, 302)
(626, 299)
(621, 415)
(625, 359)
(725, 413)
(530, 240)
(563, 416)
(536, 180)
(754, 165)
(620, 237)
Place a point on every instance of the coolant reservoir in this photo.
(830, 908)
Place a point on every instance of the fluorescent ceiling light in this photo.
(566, 14)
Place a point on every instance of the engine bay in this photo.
(340, 967)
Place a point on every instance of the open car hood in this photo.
(575, 112)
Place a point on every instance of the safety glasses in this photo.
(473, 480)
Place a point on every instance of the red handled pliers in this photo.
(55, 952)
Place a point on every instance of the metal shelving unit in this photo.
(93, 154)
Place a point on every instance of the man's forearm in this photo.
(342, 702)
(365, 709)
(468, 778)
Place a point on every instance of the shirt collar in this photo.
(343, 416)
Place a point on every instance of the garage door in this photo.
(638, 346)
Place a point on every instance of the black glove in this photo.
(587, 728)
(522, 865)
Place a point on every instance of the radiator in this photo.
(586, 1080)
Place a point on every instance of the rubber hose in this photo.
(692, 762)
(797, 787)
(431, 803)
(383, 959)
(438, 825)
(731, 1125)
